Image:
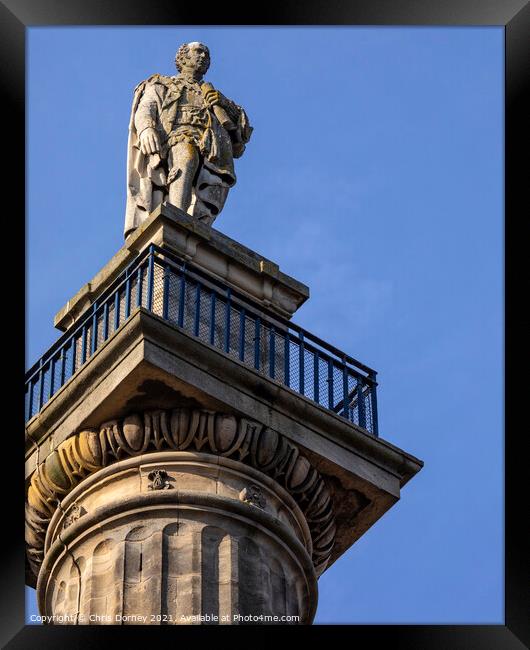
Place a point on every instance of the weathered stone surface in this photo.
(197, 554)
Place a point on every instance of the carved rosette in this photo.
(181, 429)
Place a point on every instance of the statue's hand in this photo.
(213, 97)
(149, 141)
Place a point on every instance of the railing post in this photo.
(165, 296)
(197, 308)
(331, 396)
(63, 365)
(316, 382)
(139, 289)
(242, 334)
(30, 400)
(94, 341)
(272, 351)
(182, 295)
(346, 399)
(257, 342)
(74, 355)
(287, 360)
(212, 318)
(41, 386)
(127, 297)
(52, 377)
(301, 362)
(150, 278)
(83, 345)
(227, 319)
(105, 320)
(360, 404)
(117, 309)
(373, 396)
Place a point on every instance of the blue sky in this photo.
(375, 176)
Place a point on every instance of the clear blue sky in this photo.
(374, 175)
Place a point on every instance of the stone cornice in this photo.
(145, 326)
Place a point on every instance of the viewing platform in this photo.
(203, 304)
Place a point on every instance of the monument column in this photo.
(192, 455)
(181, 536)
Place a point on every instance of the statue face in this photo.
(197, 59)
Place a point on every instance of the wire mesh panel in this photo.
(121, 302)
(369, 415)
(28, 409)
(338, 391)
(247, 342)
(159, 274)
(229, 344)
(203, 326)
(264, 348)
(308, 373)
(217, 324)
(46, 382)
(172, 289)
(272, 352)
(142, 278)
(69, 359)
(189, 306)
(133, 284)
(90, 335)
(277, 362)
(292, 378)
(78, 352)
(111, 309)
(100, 326)
(322, 381)
(32, 399)
(55, 374)
(352, 403)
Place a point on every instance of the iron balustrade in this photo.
(206, 308)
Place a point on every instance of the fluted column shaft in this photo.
(178, 537)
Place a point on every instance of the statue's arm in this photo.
(243, 130)
(147, 111)
(145, 121)
(235, 120)
(215, 97)
(230, 107)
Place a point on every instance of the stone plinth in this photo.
(178, 538)
(223, 258)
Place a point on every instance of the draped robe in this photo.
(158, 103)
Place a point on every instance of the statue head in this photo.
(194, 57)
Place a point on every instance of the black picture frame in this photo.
(514, 15)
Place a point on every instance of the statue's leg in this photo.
(185, 158)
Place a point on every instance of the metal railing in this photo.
(203, 306)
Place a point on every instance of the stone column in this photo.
(174, 537)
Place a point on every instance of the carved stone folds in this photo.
(232, 469)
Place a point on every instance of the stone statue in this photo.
(183, 138)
